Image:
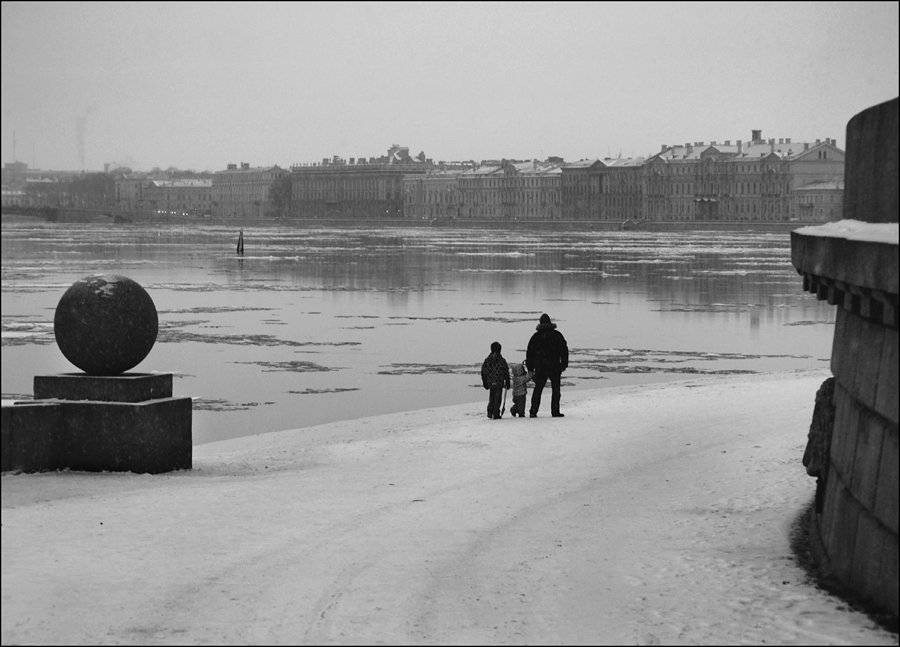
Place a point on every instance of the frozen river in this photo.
(320, 325)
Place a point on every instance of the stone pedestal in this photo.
(103, 419)
(127, 422)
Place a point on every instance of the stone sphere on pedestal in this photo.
(105, 324)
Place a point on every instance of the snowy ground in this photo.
(655, 514)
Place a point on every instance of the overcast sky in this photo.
(200, 85)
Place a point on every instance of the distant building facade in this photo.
(817, 202)
(432, 195)
(129, 192)
(623, 182)
(244, 192)
(581, 185)
(178, 197)
(602, 190)
(14, 198)
(13, 174)
(38, 188)
(755, 181)
(752, 181)
(361, 189)
(511, 190)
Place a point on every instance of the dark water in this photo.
(317, 325)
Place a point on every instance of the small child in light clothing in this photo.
(520, 380)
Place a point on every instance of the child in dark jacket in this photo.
(520, 380)
(494, 377)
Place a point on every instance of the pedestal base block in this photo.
(118, 423)
(93, 436)
(151, 437)
(31, 437)
(127, 387)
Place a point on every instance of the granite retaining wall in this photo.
(856, 269)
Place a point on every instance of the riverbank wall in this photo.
(856, 524)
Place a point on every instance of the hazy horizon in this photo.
(197, 85)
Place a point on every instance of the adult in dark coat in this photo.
(547, 356)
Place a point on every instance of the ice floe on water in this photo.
(21, 332)
(294, 366)
(206, 404)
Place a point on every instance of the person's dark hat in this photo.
(495, 347)
(545, 318)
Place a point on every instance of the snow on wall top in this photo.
(873, 232)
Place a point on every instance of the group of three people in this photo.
(546, 357)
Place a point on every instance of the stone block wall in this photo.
(854, 265)
(859, 523)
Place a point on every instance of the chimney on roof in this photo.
(728, 142)
(805, 146)
(818, 141)
(245, 165)
(772, 145)
(712, 143)
(231, 167)
(663, 148)
(780, 140)
(739, 147)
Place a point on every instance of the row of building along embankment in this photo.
(758, 180)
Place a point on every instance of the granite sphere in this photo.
(105, 324)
